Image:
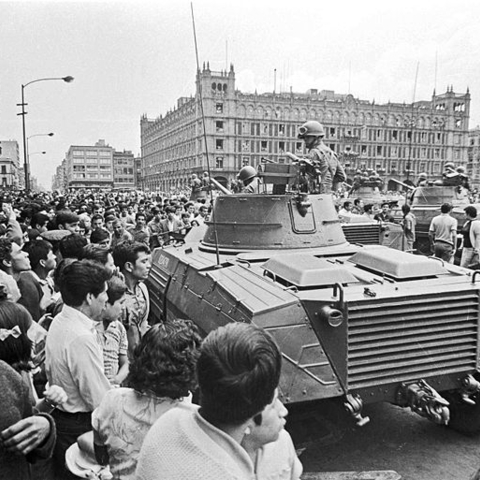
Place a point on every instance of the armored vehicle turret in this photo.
(360, 324)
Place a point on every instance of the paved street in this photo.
(395, 439)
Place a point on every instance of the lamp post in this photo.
(23, 113)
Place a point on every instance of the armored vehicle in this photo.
(425, 203)
(360, 324)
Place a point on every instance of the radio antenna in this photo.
(214, 223)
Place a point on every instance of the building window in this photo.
(298, 147)
(218, 162)
(219, 126)
(91, 153)
(281, 129)
(219, 107)
(263, 146)
(379, 150)
(219, 144)
(78, 153)
(105, 161)
(281, 147)
(4, 169)
(245, 161)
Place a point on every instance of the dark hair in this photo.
(164, 361)
(368, 207)
(471, 211)
(128, 252)
(446, 207)
(57, 273)
(37, 250)
(357, 201)
(139, 214)
(97, 215)
(99, 235)
(81, 278)
(5, 251)
(110, 218)
(66, 216)
(116, 289)
(95, 252)
(347, 203)
(15, 351)
(72, 246)
(405, 208)
(39, 219)
(238, 371)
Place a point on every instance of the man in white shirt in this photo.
(443, 234)
(74, 359)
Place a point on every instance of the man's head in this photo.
(140, 220)
(385, 207)
(109, 219)
(100, 254)
(84, 284)
(12, 258)
(238, 373)
(40, 253)
(446, 208)
(39, 222)
(470, 211)
(67, 220)
(347, 205)
(116, 289)
(97, 221)
(358, 202)
(368, 208)
(133, 259)
(117, 227)
(405, 209)
(311, 132)
(100, 236)
(202, 211)
(72, 246)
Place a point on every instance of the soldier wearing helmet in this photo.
(422, 179)
(249, 179)
(331, 172)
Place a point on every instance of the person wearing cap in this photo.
(330, 170)
(443, 234)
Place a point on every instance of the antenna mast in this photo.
(205, 135)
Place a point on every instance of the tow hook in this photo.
(470, 386)
(354, 405)
(424, 400)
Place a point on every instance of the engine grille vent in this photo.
(410, 338)
(362, 233)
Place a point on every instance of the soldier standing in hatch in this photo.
(330, 170)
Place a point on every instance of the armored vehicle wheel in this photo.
(465, 418)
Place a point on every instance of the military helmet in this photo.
(311, 128)
(449, 165)
(422, 175)
(246, 173)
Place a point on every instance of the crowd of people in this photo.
(92, 384)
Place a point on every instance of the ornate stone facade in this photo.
(398, 140)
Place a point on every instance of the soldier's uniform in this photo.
(330, 169)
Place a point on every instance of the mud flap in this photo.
(373, 475)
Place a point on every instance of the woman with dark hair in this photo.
(161, 376)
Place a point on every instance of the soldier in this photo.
(249, 179)
(330, 171)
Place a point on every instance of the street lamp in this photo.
(23, 113)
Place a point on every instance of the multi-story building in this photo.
(398, 140)
(123, 169)
(473, 165)
(138, 173)
(89, 166)
(9, 164)
(59, 181)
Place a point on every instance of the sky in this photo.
(132, 58)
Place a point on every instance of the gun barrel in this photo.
(220, 187)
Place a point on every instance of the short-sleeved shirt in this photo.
(114, 343)
(443, 226)
(137, 308)
(122, 421)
